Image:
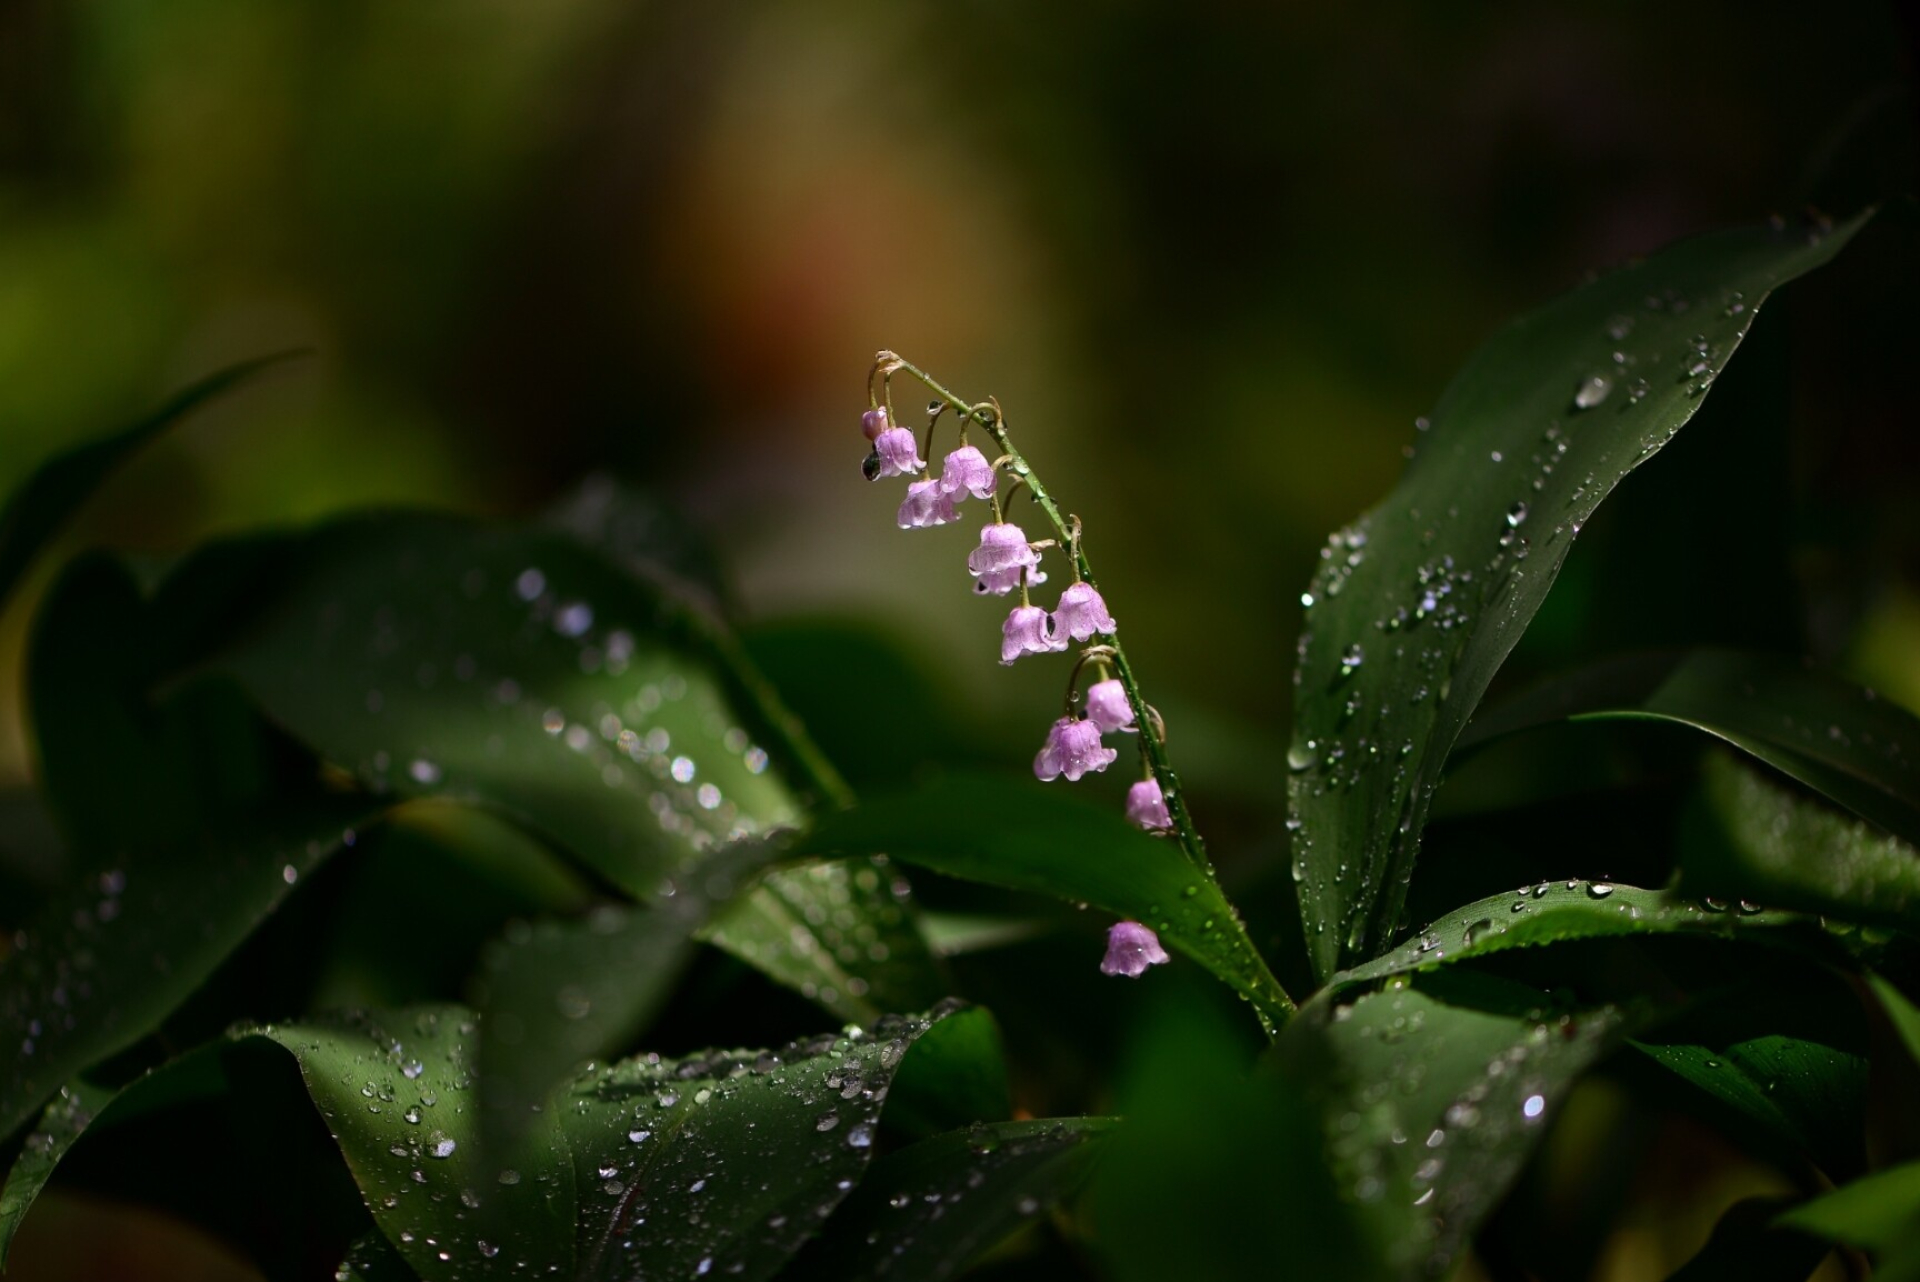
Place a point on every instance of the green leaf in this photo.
(927, 1212)
(1787, 1058)
(56, 489)
(956, 1076)
(516, 670)
(1026, 837)
(1551, 911)
(1434, 1097)
(1903, 1015)
(1217, 1174)
(1419, 601)
(372, 1258)
(1875, 1211)
(1769, 845)
(1835, 737)
(554, 993)
(396, 1091)
(721, 1165)
(59, 1126)
(1746, 1245)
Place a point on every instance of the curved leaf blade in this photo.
(56, 489)
(1878, 1211)
(1023, 838)
(1837, 738)
(1768, 845)
(1433, 1097)
(1419, 602)
(1553, 911)
(928, 1211)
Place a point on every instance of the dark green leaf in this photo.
(956, 1076)
(1788, 1060)
(1902, 1013)
(1434, 1097)
(1837, 738)
(1745, 1245)
(1419, 602)
(1875, 1211)
(1766, 844)
(1028, 838)
(60, 1124)
(396, 1090)
(58, 487)
(519, 671)
(1551, 911)
(721, 1165)
(1218, 1175)
(554, 993)
(927, 1212)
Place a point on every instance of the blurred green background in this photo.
(1213, 258)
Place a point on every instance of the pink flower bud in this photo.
(998, 561)
(874, 422)
(1131, 948)
(899, 452)
(925, 505)
(1072, 749)
(1028, 631)
(1081, 613)
(966, 471)
(1147, 807)
(1107, 705)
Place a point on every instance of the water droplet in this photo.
(1516, 514)
(827, 1122)
(424, 772)
(1599, 889)
(1592, 391)
(860, 1136)
(573, 619)
(1302, 756)
(530, 584)
(1352, 658)
(1534, 1106)
(439, 1145)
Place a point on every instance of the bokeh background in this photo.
(1212, 257)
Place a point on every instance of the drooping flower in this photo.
(967, 471)
(1147, 807)
(1028, 631)
(1131, 948)
(1081, 613)
(1107, 705)
(899, 452)
(996, 564)
(1073, 748)
(874, 421)
(925, 505)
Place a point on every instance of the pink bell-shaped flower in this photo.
(874, 422)
(1028, 631)
(925, 505)
(967, 471)
(996, 564)
(1073, 748)
(1107, 705)
(1147, 807)
(1081, 613)
(899, 452)
(1131, 948)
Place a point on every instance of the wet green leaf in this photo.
(1421, 599)
(1788, 1062)
(1902, 1013)
(1028, 838)
(554, 993)
(59, 1125)
(927, 1212)
(1548, 912)
(956, 1076)
(1433, 1097)
(56, 489)
(517, 670)
(723, 1164)
(1836, 738)
(1769, 845)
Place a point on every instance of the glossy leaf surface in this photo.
(1837, 738)
(1875, 1211)
(926, 1213)
(1024, 838)
(1419, 602)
